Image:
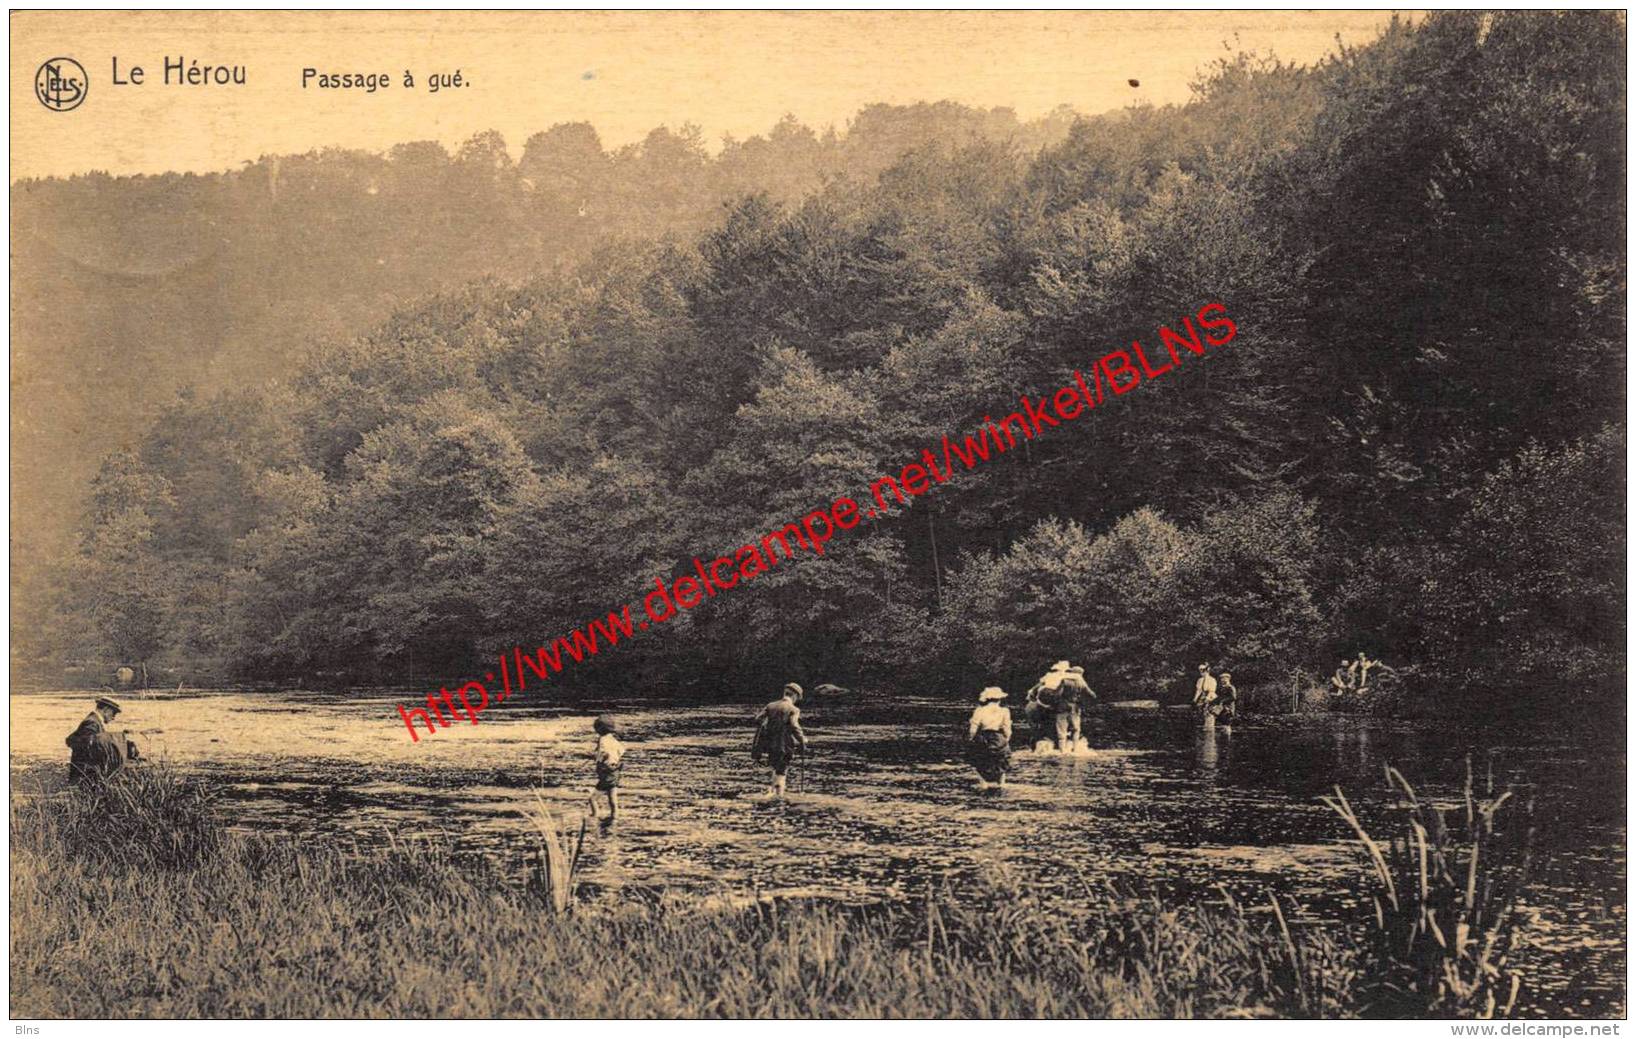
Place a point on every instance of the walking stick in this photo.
(795, 764)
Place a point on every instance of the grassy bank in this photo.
(139, 887)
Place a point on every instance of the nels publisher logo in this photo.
(61, 84)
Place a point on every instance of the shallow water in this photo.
(885, 804)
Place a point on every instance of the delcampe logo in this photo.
(61, 84)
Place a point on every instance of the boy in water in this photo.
(610, 753)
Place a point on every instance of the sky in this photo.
(625, 72)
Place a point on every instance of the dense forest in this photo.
(143, 285)
(1413, 446)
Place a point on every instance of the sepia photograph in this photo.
(827, 515)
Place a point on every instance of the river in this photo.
(885, 802)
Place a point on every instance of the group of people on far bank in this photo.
(1352, 676)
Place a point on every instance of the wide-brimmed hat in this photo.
(1226, 674)
(794, 687)
(1204, 666)
(605, 723)
(103, 701)
(1061, 665)
(993, 692)
(1076, 669)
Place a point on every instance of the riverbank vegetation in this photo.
(1412, 448)
(137, 883)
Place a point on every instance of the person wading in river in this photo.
(610, 758)
(1053, 706)
(1204, 695)
(1074, 693)
(989, 737)
(1226, 703)
(779, 737)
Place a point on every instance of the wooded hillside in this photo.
(1414, 445)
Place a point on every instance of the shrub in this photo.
(149, 815)
(1145, 601)
(1534, 586)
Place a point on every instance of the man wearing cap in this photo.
(779, 737)
(1226, 703)
(94, 751)
(1341, 681)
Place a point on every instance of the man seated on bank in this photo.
(1341, 681)
(1364, 665)
(94, 751)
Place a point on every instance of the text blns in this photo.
(1119, 370)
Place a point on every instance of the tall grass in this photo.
(148, 818)
(1447, 916)
(215, 924)
(553, 871)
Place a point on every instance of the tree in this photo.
(120, 575)
(1527, 607)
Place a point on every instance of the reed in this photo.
(1447, 917)
(553, 872)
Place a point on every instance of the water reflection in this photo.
(1209, 753)
(887, 802)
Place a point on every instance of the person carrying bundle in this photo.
(1056, 699)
